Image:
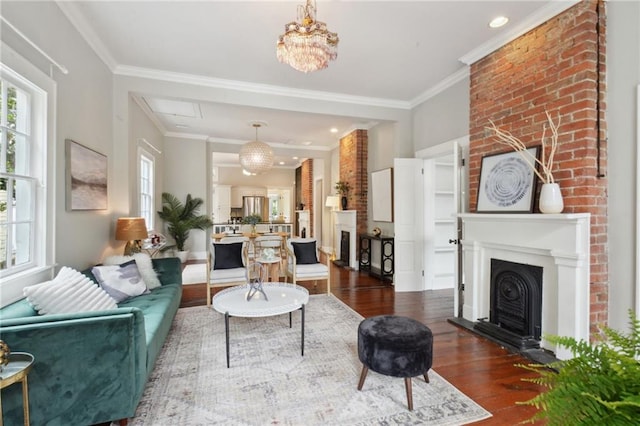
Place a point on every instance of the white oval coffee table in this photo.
(282, 298)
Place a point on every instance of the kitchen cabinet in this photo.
(237, 192)
(221, 207)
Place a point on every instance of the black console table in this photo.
(385, 271)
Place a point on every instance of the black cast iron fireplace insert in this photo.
(344, 250)
(515, 315)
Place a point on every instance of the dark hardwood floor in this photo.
(481, 369)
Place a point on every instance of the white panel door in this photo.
(408, 205)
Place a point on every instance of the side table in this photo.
(273, 265)
(153, 249)
(385, 271)
(19, 366)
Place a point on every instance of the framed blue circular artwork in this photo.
(507, 182)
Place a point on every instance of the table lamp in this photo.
(333, 201)
(131, 230)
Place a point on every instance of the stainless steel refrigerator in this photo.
(256, 205)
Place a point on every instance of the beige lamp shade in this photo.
(132, 230)
(333, 201)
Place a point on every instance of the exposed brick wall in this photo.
(306, 182)
(354, 154)
(553, 67)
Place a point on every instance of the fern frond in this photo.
(600, 385)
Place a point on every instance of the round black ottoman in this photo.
(395, 346)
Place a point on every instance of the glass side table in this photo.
(15, 371)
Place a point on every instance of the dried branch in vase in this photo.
(548, 150)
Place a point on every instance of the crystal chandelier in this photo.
(306, 44)
(256, 157)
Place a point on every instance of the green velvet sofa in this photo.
(90, 367)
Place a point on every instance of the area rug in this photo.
(194, 274)
(269, 382)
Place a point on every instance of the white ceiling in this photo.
(390, 52)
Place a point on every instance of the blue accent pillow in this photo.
(227, 256)
(305, 253)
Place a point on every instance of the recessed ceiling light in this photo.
(333, 130)
(307, 143)
(498, 21)
(281, 163)
(181, 126)
(295, 158)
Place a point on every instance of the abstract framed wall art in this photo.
(382, 194)
(507, 183)
(86, 177)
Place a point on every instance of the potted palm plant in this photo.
(181, 218)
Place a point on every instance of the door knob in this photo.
(453, 241)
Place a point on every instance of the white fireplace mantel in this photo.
(559, 243)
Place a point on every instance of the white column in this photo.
(573, 300)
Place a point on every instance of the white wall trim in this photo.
(440, 87)
(537, 18)
(70, 9)
(266, 89)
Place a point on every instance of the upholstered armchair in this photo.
(303, 263)
(227, 263)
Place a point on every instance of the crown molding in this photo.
(266, 89)
(537, 18)
(70, 10)
(360, 126)
(441, 86)
(214, 139)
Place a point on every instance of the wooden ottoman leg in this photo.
(363, 376)
(407, 384)
(426, 377)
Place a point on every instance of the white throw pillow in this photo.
(70, 291)
(120, 281)
(145, 266)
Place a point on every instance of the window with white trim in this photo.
(22, 156)
(147, 187)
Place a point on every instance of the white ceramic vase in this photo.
(550, 199)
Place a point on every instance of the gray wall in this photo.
(623, 76)
(143, 128)
(381, 154)
(187, 173)
(84, 114)
(443, 117)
